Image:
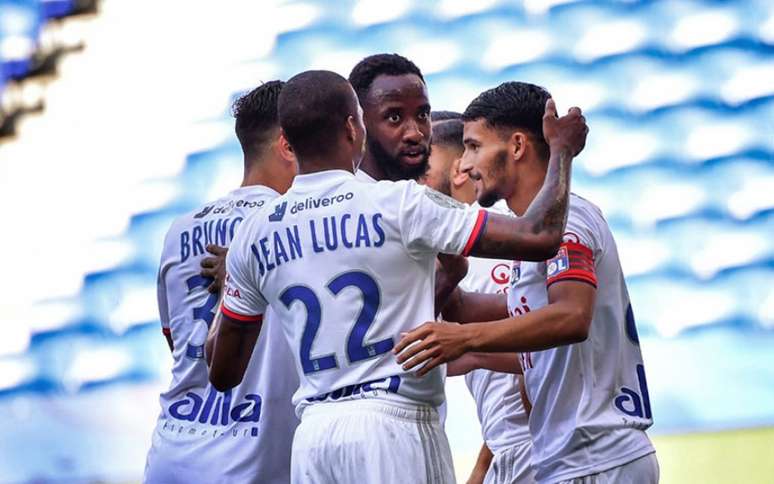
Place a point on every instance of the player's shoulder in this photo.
(583, 210)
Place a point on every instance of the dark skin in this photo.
(537, 234)
(231, 342)
(396, 113)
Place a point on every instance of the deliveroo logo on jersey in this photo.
(216, 410)
(279, 212)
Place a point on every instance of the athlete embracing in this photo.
(347, 277)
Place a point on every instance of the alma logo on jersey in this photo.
(631, 402)
(216, 409)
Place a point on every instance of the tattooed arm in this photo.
(537, 234)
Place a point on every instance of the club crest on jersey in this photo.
(442, 200)
(558, 264)
(515, 272)
(279, 212)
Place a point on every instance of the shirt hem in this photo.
(599, 466)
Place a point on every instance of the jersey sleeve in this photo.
(242, 299)
(577, 254)
(433, 223)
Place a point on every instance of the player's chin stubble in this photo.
(392, 166)
(495, 175)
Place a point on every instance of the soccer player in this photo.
(505, 454)
(242, 434)
(396, 114)
(347, 266)
(571, 319)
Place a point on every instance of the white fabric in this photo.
(643, 470)
(348, 266)
(202, 435)
(511, 466)
(364, 177)
(498, 400)
(371, 442)
(590, 400)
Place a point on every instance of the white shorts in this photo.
(512, 466)
(370, 442)
(639, 471)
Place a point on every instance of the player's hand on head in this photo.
(215, 267)
(566, 132)
(430, 345)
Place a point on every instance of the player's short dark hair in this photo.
(368, 69)
(313, 109)
(444, 115)
(448, 133)
(513, 105)
(256, 115)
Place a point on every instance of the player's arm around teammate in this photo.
(565, 320)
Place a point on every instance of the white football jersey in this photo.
(348, 266)
(202, 435)
(590, 404)
(498, 400)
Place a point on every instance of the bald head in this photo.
(314, 111)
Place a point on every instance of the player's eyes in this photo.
(393, 118)
(424, 116)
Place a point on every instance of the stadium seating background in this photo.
(679, 96)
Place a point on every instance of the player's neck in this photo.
(370, 166)
(307, 166)
(258, 172)
(466, 194)
(530, 183)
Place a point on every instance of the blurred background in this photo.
(114, 119)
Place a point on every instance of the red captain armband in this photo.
(241, 318)
(573, 262)
(478, 230)
(166, 331)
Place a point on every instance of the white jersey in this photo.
(202, 435)
(348, 266)
(498, 400)
(590, 404)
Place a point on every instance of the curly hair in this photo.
(368, 69)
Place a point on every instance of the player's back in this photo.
(199, 426)
(348, 266)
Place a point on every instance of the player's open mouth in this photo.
(414, 157)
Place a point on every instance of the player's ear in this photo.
(284, 148)
(517, 145)
(351, 130)
(458, 177)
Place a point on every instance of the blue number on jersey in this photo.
(313, 316)
(370, 290)
(356, 349)
(206, 312)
